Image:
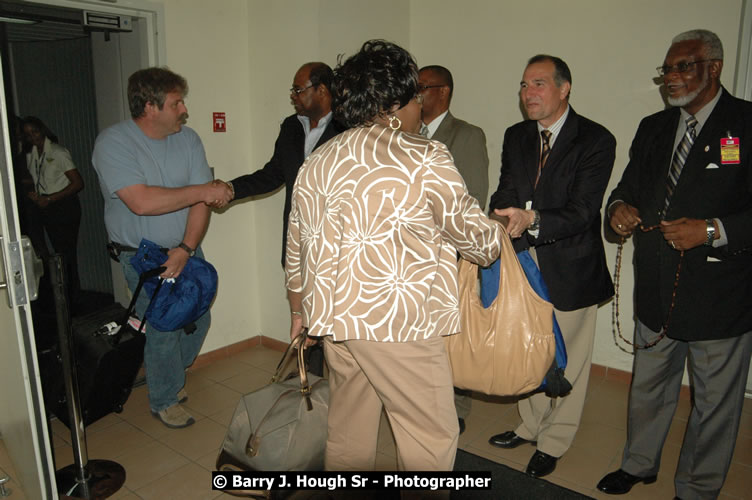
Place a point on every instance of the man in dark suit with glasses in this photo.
(686, 197)
(311, 125)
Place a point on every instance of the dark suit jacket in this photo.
(467, 143)
(714, 298)
(283, 167)
(568, 197)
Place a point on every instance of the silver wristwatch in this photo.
(710, 228)
(536, 222)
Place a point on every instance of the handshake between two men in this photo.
(218, 193)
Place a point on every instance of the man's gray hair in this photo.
(711, 42)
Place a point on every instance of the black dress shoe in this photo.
(461, 421)
(507, 439)
(620, 482)
(541, 464)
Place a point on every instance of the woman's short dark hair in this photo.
(39, 125)
(151, 85)
(373, 80)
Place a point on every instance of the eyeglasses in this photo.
(295, 91)
(423, 88)
(682, 67)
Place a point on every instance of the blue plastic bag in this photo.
(179, 302)
(554, 384)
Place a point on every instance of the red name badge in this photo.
(730, 151)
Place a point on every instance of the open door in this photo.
(23, 423)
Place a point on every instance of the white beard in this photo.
(687, 98)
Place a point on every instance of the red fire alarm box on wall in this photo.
(220, 123)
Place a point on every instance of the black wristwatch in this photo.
(191, 251)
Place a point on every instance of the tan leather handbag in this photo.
(507, 348)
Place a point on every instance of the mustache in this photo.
(183, 118)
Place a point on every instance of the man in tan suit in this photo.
(466, 142)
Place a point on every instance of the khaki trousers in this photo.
(412, 382)
(554, 422)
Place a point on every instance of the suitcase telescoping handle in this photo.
(141, 279)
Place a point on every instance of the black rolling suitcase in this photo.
(109, 349)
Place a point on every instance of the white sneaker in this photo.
(174, 417)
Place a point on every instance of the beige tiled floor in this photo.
(175, 464)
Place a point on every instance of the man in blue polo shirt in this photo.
(157, 185)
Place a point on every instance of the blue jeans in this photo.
(167, 354)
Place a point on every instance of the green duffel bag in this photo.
(282, 426)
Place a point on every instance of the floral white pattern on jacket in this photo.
(377, 219)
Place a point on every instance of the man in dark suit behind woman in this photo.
(311, 126)
(555, 167)
(690, 174)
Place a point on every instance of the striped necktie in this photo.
(680, 156)
(424, 130)
(545, 151)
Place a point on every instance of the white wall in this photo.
(207, 43)
(239, 56)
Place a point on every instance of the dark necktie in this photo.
(545, 151)
(680, 156)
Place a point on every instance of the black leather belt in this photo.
(115, 249)
(122, 248)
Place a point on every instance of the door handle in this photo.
(21, 254)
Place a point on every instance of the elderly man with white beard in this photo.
(686, 197)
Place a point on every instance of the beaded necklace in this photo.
(615, 324)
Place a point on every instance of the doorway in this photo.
(71, 77)
(98, 63)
